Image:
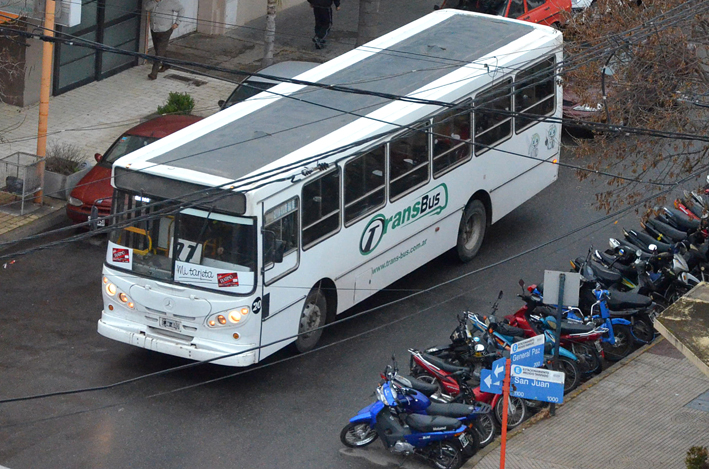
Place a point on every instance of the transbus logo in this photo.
(432, 202)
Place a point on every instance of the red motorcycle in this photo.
(582, 340)
(453, 387)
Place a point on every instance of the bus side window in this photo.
(364, 185)
(450, 131)
(321, 208)
(535, 91)
(408, 162)
(492, 127)
(282, 221)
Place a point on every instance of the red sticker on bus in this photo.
(228, 280)
(121, 255)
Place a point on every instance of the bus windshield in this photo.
(193, 246)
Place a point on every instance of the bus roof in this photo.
(245, 142)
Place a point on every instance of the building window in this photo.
(493, 123)
(321, 208)
(364, 184)
(451, 131)
(408, 162)
(535, 93)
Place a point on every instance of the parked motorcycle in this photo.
(440, 440)
(584, 341)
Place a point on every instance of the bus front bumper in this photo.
(198, 349)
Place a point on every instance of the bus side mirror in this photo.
(220, 103)
(98, 157)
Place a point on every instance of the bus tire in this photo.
(312, 318)
(471, 232)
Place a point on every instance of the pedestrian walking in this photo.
(165, 17)
(322, 9)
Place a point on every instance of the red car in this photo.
(95, 188)
(546, 12)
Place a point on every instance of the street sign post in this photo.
(528, 352)
(537, 384)
(491, 380)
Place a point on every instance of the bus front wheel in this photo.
(311, 321)
(472, 228)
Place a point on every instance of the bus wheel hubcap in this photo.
(310, 319)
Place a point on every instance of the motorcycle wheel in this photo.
(643, 330)
(485, 426)
(572, 375)
(516, 412)
(589, 359)
(623, 344)
(473, 437)
(447, 454)
(357, 435)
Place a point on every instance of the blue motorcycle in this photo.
(397, 418)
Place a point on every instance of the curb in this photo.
(38, 226)
(544, 413)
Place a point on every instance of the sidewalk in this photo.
(642, 413)
(93, 116)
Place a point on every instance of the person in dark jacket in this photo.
(322, 9)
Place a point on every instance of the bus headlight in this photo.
(111, 289)
(236, 315)
(231, 317)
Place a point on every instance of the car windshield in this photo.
(125, 145)
(195, 247)
(245, 90)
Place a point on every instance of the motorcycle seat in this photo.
(574, 328)
(421, 386)
(606, 276)
(443, 365)
(450, 410)
(431, 423)
(616, 263)
(621, 300)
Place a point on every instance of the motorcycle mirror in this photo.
(653, 248)
(521, 283)
(639, 253)
(479, 347)
(499, 296)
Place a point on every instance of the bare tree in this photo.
(367, 25)
(270, 35)
(646, 63)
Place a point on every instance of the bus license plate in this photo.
(463, 440)
(170, 324)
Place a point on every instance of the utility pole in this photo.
(47, 54)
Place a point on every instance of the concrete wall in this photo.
(20, 69)
(249, 10)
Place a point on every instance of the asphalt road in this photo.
(287, 412)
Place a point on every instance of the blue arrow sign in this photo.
(528, 352)
(537, 384)
(491, 380)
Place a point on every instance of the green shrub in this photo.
(177, 103)
(697, 457)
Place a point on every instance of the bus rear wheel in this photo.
(312, 318)
(471, 232)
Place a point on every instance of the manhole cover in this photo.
(184, 79)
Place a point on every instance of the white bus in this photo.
(266, 220)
